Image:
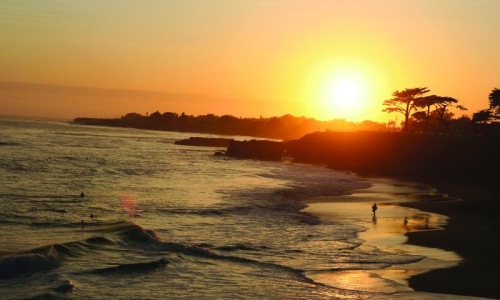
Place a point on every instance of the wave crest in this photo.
(135, 267)
(27, 263)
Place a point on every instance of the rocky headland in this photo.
(205, 142)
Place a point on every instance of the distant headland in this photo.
(422, 115)
(284, 127)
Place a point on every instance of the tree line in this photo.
(284, 127)
(424, 113)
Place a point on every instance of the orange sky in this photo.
(244, 58)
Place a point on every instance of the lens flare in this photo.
(128, 205)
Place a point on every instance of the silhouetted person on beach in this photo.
(405, 222)
(83, 224)
(374, 208)
(82, 195)
(91, 215)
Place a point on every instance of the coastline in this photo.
(441, 226)
(472, 232)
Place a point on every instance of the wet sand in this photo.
(472, 232)
(438, 226)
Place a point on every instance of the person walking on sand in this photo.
(374, 208)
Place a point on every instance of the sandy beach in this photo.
(421, 220)
(472, 232)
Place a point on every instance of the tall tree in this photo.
(404, 102)
(425, 102)
(494, 98)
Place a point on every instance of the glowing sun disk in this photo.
(346, 92)
(346, 88)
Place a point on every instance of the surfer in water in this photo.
(374, 208)
(82, 195)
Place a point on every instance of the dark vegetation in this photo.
(429, 115)
(284, 127)
(492, 113)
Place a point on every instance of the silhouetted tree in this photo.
(156, 116)
(491, 113)
(133, 116)
(461, 126)
(494, 98)
(404, 102)
(424, 102)
(169, 116)
(420, 115)
(482, 116)
(284, 127)
(441, 104)
(419, 121)
(183, 117)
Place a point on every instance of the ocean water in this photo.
(165, 221)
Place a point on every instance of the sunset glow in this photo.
(320, 59)
(345, 88)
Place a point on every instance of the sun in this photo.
(345, 87)
(344, 94)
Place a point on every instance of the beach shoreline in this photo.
(471, 232)
(440, 226)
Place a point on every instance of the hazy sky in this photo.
(247, 58)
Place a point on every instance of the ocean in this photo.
(158, 220)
